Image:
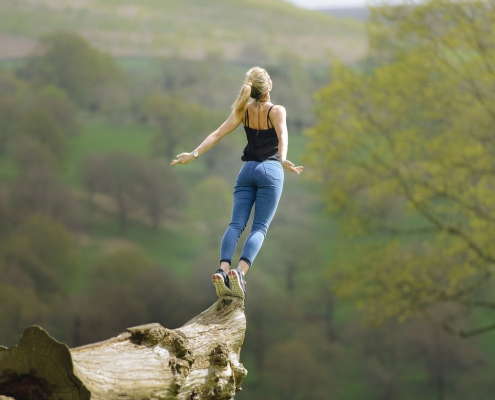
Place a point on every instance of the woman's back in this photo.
(258, 119)
(260, 133)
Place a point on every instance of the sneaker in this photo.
(222, 283)
(237, 283)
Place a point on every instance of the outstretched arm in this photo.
(280, 123)
(211, 140)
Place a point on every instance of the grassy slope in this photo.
(190, 28)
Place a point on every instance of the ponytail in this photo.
(240, 104)
(256, 85)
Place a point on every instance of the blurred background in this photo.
(376, 278)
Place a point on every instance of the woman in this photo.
(260, 179)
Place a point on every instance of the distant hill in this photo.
(359, 13)
(241, 30)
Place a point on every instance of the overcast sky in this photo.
(337, 3)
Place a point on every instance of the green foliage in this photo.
(43, 252)
(117, 175)
(11, 89)
(43, 128)
(293, 87)
(132, 184)
(161, 191)
(56, 101)
(177, 122)
(71, 63)
(210, 206)
(404, 151)
(9, 116)
(121, 267)
(130, 291)
(46, 124)
(37, 190)
(19, 306)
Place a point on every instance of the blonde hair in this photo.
(256, 85)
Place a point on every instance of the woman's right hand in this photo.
(183, 158)
(289, 166)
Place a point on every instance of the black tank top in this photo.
(262, 143)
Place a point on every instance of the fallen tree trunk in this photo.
(199, 360)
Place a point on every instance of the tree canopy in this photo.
(68, 61)
(406, 156)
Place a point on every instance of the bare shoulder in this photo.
(278, 111)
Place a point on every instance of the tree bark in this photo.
(199, 360)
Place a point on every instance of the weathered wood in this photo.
(199, 360)
(39, 367)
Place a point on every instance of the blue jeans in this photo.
(258, 183)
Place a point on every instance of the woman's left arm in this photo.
(280, 123)
(211, 140)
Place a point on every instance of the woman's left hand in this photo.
(289, 165)
(183, 158)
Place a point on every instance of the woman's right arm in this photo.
(211, 140)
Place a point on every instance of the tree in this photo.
(445, 357)
(58, 104)
(160, 191)
(45, 126)
(134, 185)
(38, 264)
(177, 123)
(392, 354)
(11, 90)
(68, 61)
(119, 178)
(37, 191)
(29, 154)
(41, 126)
(44, 251)
(406, 155)
(113, 99)
(10, 113)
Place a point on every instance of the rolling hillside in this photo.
(240, 30)
(359, 13)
